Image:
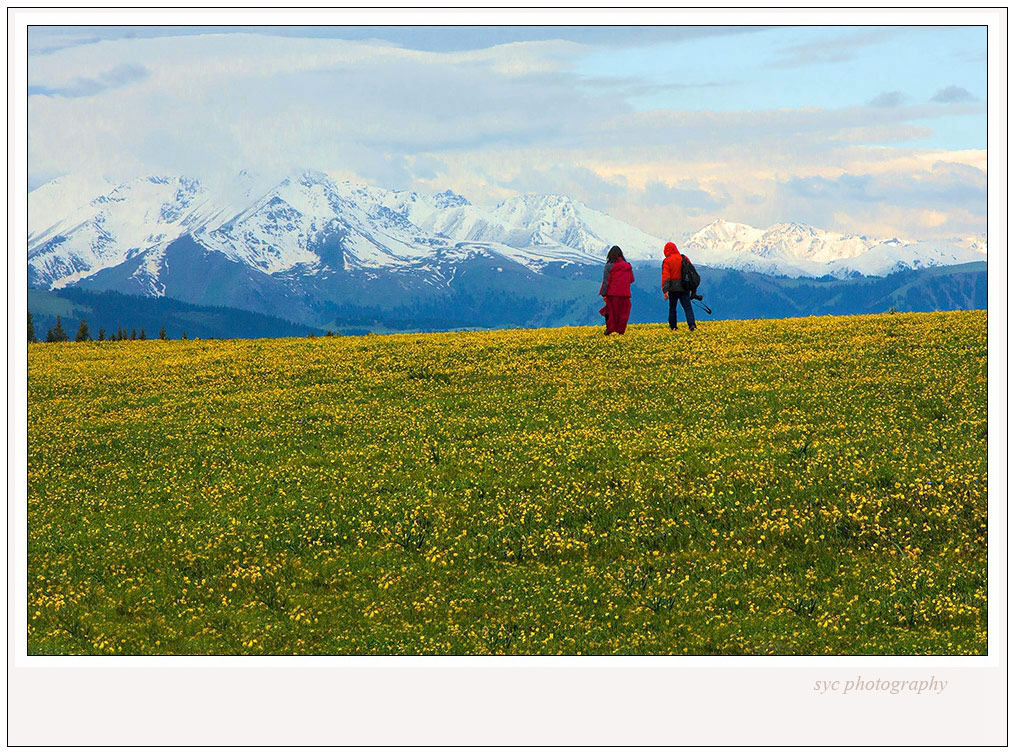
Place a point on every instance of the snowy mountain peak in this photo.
(312, 178)
(797, 242)
(977, 242)
(723, 234)
(798, 249)
(449, 198)
(62, 203)
(543, 220)
(310, 224)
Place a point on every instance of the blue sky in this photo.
(827, 67)
(878, 130)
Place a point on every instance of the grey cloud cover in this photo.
(833, 50)
(952, 94)
(574, 181)
(887, 99)
(43, 40)
(691, 134)
(945, 186)
(515, 118)
(631, 86)
(686, 194)
(118, 76)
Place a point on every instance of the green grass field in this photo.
(814, 486)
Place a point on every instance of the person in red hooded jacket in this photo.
(673, 288)
(616, 291)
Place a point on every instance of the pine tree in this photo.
(121, 334)
(102, 334)
(82, 332)
(31, 330)
(134, 334)
(162, 335)
(184, 336)
(56, 334)
(142, 336)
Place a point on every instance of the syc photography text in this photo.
(890, 686)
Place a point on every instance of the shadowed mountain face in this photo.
(473, 295)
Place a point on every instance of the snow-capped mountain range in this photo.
(797, 250)
(78, 227)
(312, 225)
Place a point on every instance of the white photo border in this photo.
(688, 700)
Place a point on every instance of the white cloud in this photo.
(486, 123)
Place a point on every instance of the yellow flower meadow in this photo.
(811, 486)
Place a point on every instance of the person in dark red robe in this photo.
(616, 291)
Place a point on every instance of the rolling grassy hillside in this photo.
(812, 486)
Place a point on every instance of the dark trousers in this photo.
(689, 314)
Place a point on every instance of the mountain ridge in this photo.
(309, 232)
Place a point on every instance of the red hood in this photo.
(669, 249)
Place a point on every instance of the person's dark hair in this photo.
(615, 254)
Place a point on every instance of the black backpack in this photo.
(690, 278)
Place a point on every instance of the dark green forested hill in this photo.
(111, 310)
